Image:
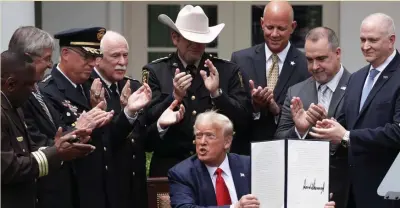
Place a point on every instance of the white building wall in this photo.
(58, 16)
(11, 18)
(351, 16)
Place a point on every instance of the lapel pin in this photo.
(343, 88)
(175, 65)
(68, 114)
(241, 174)
(292, 63)
(385, 77)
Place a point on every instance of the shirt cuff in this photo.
(130, 119)
(219, 93)
(298, 135)
(161, 131)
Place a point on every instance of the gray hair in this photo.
(111, 36)
(32, 40)
(324, 32)
(384, 20)
(214, 118)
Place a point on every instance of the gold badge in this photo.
(100, 34)
(241, 79)
(20, 139)
(145, 76)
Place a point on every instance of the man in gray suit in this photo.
(322, 96)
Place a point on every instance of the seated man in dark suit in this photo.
(212, 177)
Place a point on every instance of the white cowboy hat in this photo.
(192, 24)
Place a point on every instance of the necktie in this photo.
(273, 74)
(79, 88)
(222, 192)
(323, 96)
(39, 98)
(191, 69)
(368, 86)
(114, 98)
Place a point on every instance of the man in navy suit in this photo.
(270, 69)
(212, 177)
(369, 125)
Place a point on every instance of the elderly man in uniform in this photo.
(42, 119)
(196, 79)
(21, 162)
(68, 89)
(127, 155)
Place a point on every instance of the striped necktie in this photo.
(273, 73)
(39, 98)
(323, 96)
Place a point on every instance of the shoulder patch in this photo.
(161, 59)
(46, 78)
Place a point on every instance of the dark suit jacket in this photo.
(308, 94)
(253, 64)
(19, 168)
(191, 184)
(374, 131)
(57, 189)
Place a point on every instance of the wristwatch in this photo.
(345, 140)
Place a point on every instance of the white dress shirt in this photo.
(227, 176)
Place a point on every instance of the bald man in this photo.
(369, 125)
(269, 70)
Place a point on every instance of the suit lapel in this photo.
(382, 79)
(239, 178)
(206, 186)
(259, 63)
(287, 71)
(338, 94)
(69, 90)
(310, 96)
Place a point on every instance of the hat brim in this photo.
(192, 36)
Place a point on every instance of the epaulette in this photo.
(216, 58)
(46, 78)
(161, 59)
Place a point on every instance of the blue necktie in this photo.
(368, 86)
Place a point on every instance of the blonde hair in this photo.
(214, 118)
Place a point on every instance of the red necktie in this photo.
(223, 197)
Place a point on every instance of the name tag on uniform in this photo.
(20, 139)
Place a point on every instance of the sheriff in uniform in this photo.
(209, 83)
(68, 89)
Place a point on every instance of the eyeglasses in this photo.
(48, 60)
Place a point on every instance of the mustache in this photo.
(121, 68)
